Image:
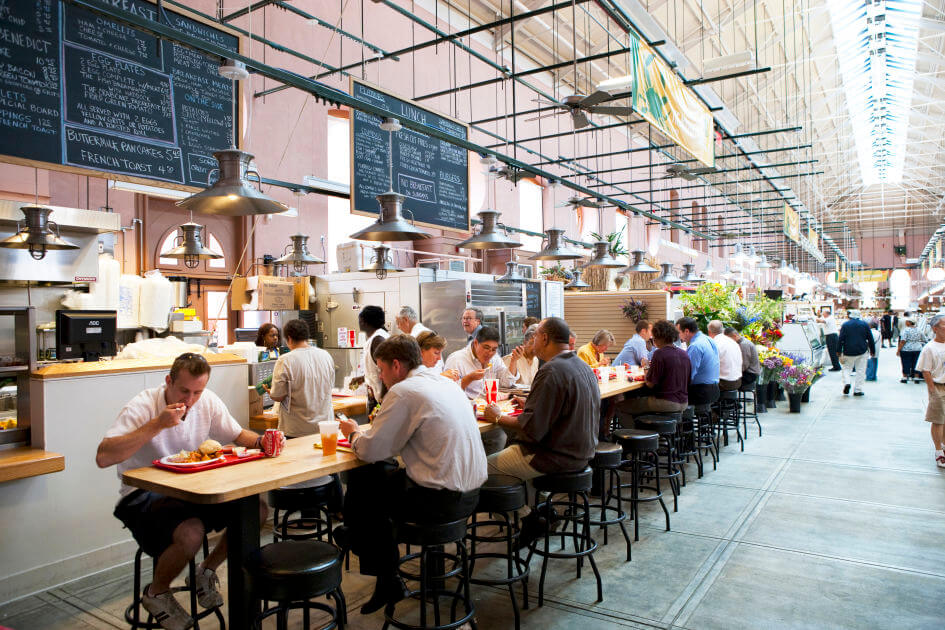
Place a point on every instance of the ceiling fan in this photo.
(586, 202)
(688, 174)
(513, 175)
(579, 106)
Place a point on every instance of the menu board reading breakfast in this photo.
(83, 90)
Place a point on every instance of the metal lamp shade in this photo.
(639, 265)
(38, 235)
(488, 237)
(554, 250)
(232, 195)
(666, 275)
(390, 224)
(708, 268)
(690, 276)
(512, 276)
(298, 255)
(382, 264)
(577, 284)
(764, 264)
(602, 257)
(191, 249)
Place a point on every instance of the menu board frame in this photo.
(433, 112)
(64, 122)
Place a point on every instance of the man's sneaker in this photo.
(846, 389)
(208, 589)
(859, 393)
(940, 459)
(166, 610)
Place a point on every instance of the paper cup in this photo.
(328, 430)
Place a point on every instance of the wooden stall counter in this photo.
(348, 405)
(117, 366)
(19, 463)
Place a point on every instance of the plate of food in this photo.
(208, 451)
(507, 406)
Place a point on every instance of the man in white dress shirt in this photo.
(730, 357)
(479, 360)
(408, 322)
(832, 337)
(428, 422)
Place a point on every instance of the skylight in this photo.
(876, 50)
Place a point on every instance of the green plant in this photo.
(711, 301)
(634, 310)
(556, 272)
(614, 245)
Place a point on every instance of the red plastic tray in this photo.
(228, 460)
(512, 414)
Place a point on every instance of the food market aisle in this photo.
(834, 519)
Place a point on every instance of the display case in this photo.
(15, 369)
(805, 339)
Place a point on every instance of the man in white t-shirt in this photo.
(932, 365)
(832, 337)
(161, 421)
(730, 357)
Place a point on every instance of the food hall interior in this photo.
(175, 175)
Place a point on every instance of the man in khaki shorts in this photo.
(932, 365)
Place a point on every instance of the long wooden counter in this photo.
(94, 368)
(348, 405)
(19, 463)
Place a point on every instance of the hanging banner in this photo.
(869, 275)
(660, 96)
(938, 251)
(792, 223)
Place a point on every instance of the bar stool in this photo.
(575, 486)
(665, 426)
(729, 417)
(133, 612)
(431, 538)
(293, 572)
(743, 400)
(641, 460)
(287, 501)
(501, 496)
(606, 467)
(706, 437)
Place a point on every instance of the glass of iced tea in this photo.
(328, 430)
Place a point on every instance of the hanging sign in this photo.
(660, 96)
(869, 275)
(810, 243)
(938, 251)
(792, 223)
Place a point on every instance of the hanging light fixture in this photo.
(752, 256)
(38, 235)
(190, 247)
(666, 275)
(738, 255)
(727, 272)
(390, 224)
(382, 263)
(602, 257)
(512, 276)
(232, 194)
(297, 254)
(690, 276)
(576, 283)
(764, 264)
(639, 265)
(488, 237)
(554, 250)
(707, 270)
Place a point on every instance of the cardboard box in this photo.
(255, 402)
(263, 293)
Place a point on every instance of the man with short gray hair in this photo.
(856, 339)
(932, 365)
(730, 357)
(408, 322)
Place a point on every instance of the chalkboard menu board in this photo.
(80, 90)
(533, 298)
(431, 173)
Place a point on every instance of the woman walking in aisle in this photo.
(911, 341)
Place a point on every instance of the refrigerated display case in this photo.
(806, 339)
(502, 306)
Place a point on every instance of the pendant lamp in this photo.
(727, 272)
(666, 275)
(512, 276)
(602, 257)
(738, 254)
(690, 275)
(382, 263)
(639, 265)
(488, 237)
(576, 284)
(554, 250)
(38, 235)
(752, 256)
(707, 270)
(764, 264)
(390, 224)
(297, 254)
(191, 248)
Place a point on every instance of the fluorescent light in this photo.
(616, 83)
(729, 64)
(144, 189)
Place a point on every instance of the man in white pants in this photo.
(855, 346)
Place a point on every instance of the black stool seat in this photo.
(660, 424)
(637, 440)
(295, 499)
(431, 534)
(314, 521)
(579, 481)
(728, 395)
(702, 409)
(607, 455)
(747, 387)
(293, 570)
(502, 493)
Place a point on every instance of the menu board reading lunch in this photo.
(431, 173)
(82, 90)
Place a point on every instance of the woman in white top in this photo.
(371, 322)
(431, 353)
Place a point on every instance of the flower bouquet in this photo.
(634, 310)
(795, 379)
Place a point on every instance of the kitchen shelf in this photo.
(13, 369)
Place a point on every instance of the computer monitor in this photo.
(86, 334)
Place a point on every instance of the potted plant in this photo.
(634, 310)
(796, 379)
(556, 272)
(599, 278)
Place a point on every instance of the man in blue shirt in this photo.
(856, 339)
(704, 357)
(634, 352)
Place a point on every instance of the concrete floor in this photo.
(835, 518)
